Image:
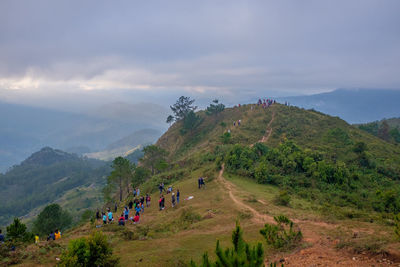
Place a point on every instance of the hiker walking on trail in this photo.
(178, 194)
(199, 181)
(173, 199)
(97, 214)
(115, 207)
(148, 200)
(130, 205)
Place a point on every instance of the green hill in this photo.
(339, 184)
(386, 129)
(47, 176)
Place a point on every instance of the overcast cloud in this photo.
(52, 50)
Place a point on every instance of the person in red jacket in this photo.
(136, 218)
(121, 220)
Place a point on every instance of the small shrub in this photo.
(252, 199)
(143, 230)
(93, 251)
(245, 215)
(283, 198)
(282, 235)
(128, 235)
(190, 216)
(226, 138)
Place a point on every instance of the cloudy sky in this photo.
(60, 51)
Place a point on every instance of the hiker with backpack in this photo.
(178, 194)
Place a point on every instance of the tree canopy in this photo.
(121, 175)
(181, 108)
(51, 218)
(215, 108)
(153, 155)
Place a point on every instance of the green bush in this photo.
(190, 216)
(240, 255)
(281, 235)
(226, 138)
(92, 251)
(283, 198)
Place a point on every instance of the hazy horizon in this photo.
(70, 55)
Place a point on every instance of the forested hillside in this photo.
(47, 176)
(386, 129)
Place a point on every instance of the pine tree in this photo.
(240, 255)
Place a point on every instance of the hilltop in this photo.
(339, 185)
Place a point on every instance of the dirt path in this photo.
(322, 250)
(257, 217)
(268, 132)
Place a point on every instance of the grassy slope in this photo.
(170, 242)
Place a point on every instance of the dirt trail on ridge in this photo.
(268, 132)
(322, 250)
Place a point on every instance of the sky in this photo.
(72, 53)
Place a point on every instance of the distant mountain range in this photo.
(51, 175)
(352, 105)
(127, 145)
(25, 129)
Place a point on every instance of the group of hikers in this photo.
(174, 198)
(52, 236)
(136, 206)
(238, 122)
(265, 103)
